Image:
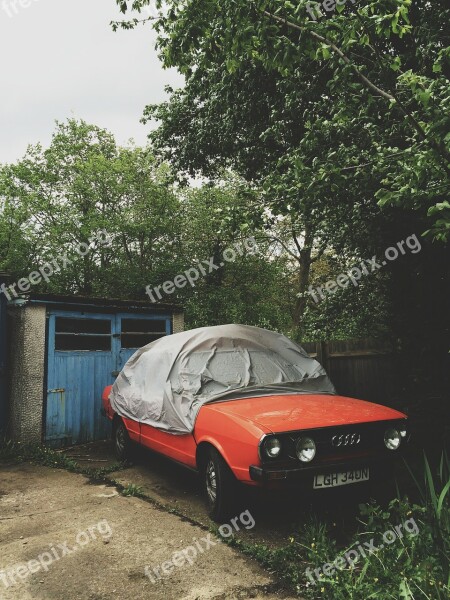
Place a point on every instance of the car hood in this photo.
(279, 413)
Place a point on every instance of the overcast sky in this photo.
(61, 59)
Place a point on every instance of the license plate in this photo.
(337, 479)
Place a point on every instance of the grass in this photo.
(133, 490)
(42, 455)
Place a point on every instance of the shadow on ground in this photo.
(277, 513)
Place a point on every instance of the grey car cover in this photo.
(165, 383)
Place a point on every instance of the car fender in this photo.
(106, 404)
(236, 439)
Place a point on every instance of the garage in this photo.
(63, 352)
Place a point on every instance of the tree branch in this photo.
(434, 145)
(294, 237)
(338, 51)
(286, 248)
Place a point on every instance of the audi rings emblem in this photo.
(349, 439)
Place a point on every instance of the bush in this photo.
(400, 552)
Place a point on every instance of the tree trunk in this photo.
(303, 282)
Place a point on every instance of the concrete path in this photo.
(63, 538)
(277, 514)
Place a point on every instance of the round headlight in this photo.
(306, 449)
(392, 439)
(272, 447)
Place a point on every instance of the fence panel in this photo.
(359, 368)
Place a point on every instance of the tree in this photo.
(381, 67)
(56, 199)
(342, 117)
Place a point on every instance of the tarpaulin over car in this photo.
(166, 383)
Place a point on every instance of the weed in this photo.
(133, 490)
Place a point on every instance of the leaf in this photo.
(441, 499)
(405, 592)
(396, 63)
(430, 483)
(424, 97)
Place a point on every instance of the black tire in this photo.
(220, 486)
(121, 441)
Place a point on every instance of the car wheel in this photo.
(122, 442)
(220, 486)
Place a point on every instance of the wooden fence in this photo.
(363, 369)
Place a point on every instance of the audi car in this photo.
(244, 406)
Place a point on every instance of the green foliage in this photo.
(45, 456)
(36, 454)
(434, 492)
(373, 76)
(342, 123)
(410, 567)
(133, 490)
(54, 199)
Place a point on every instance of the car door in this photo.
(181, 448)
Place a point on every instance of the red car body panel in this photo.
(106, 403)
(181, 448)
(235, 427)
(292, 412)
(236, 437)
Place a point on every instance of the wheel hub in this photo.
(211, 481)
(120, 439)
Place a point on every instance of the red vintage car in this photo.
(244, 405)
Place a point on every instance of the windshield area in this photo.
(219, 372)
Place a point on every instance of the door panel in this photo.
(76, 376)
(178, 447)
(136, 331)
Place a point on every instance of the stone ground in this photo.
(43, 511)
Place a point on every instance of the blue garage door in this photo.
(85, 353)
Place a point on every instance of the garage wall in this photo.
(26, 368)
(178, 322)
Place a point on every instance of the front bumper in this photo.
(266, 475)
(360, 446)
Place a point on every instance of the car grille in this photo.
(337, 443)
